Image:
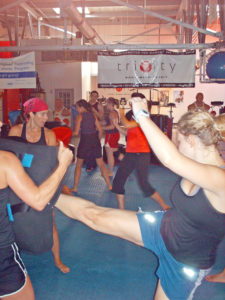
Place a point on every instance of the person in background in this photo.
(90, 134)
(61, 113)
(34, 132)
(112, 133)
(97, 109)
(137, 158)
(199, 104)
(186, 236)
(15, 283)
(13, 116)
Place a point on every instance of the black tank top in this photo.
(95, 106)
(6, 231)
(88, 123)
(192, 229)
(42, 140)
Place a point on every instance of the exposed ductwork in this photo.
(80, 22)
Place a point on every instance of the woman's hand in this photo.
(138, 104)
(65, 155)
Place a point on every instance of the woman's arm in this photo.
(122, 130)
(77, 124)
(127, 124)
(15, 130)
(99, 128)
(50, 137)
(14, 176)
(208, 177)
(100, 113)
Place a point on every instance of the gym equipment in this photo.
(214, 104)
(33, 229)
(171, 105)
(123, 101)
(215, 67)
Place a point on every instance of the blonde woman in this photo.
(186, 236)
(220, 122)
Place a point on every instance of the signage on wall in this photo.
(18, 72)
(161, 68)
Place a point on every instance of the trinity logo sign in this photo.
(145, 66)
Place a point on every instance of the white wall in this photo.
(86, 79)
(57, 74)
(66, 75)
(211, 91)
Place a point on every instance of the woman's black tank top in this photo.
(42, 140)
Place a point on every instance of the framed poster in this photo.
(163, 97)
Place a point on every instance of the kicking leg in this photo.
(121, 223)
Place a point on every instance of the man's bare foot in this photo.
(64, 269)
(220, 277)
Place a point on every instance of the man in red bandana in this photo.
(34, 132)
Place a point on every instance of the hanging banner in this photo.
(18, 72)
(161, 68)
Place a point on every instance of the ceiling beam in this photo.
(110, 47)
(151, 13)
(89, 3)
(125, 14)
(11, 5)
(115, 21)
(30, 10)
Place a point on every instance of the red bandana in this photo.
(35, 105)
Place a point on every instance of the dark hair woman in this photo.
(90, 134)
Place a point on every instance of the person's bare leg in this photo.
(56, 249)
(117, 222)
(160, 201)
(121, 201)
(219, 277)
(77, 174)
(110, 159)
(66, 190)
(27, 293)
(104, 172)
(160, 295)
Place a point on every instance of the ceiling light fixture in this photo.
(57, 10)
(86, 10)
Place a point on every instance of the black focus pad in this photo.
(33, 229)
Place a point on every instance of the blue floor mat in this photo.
(105, 267)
